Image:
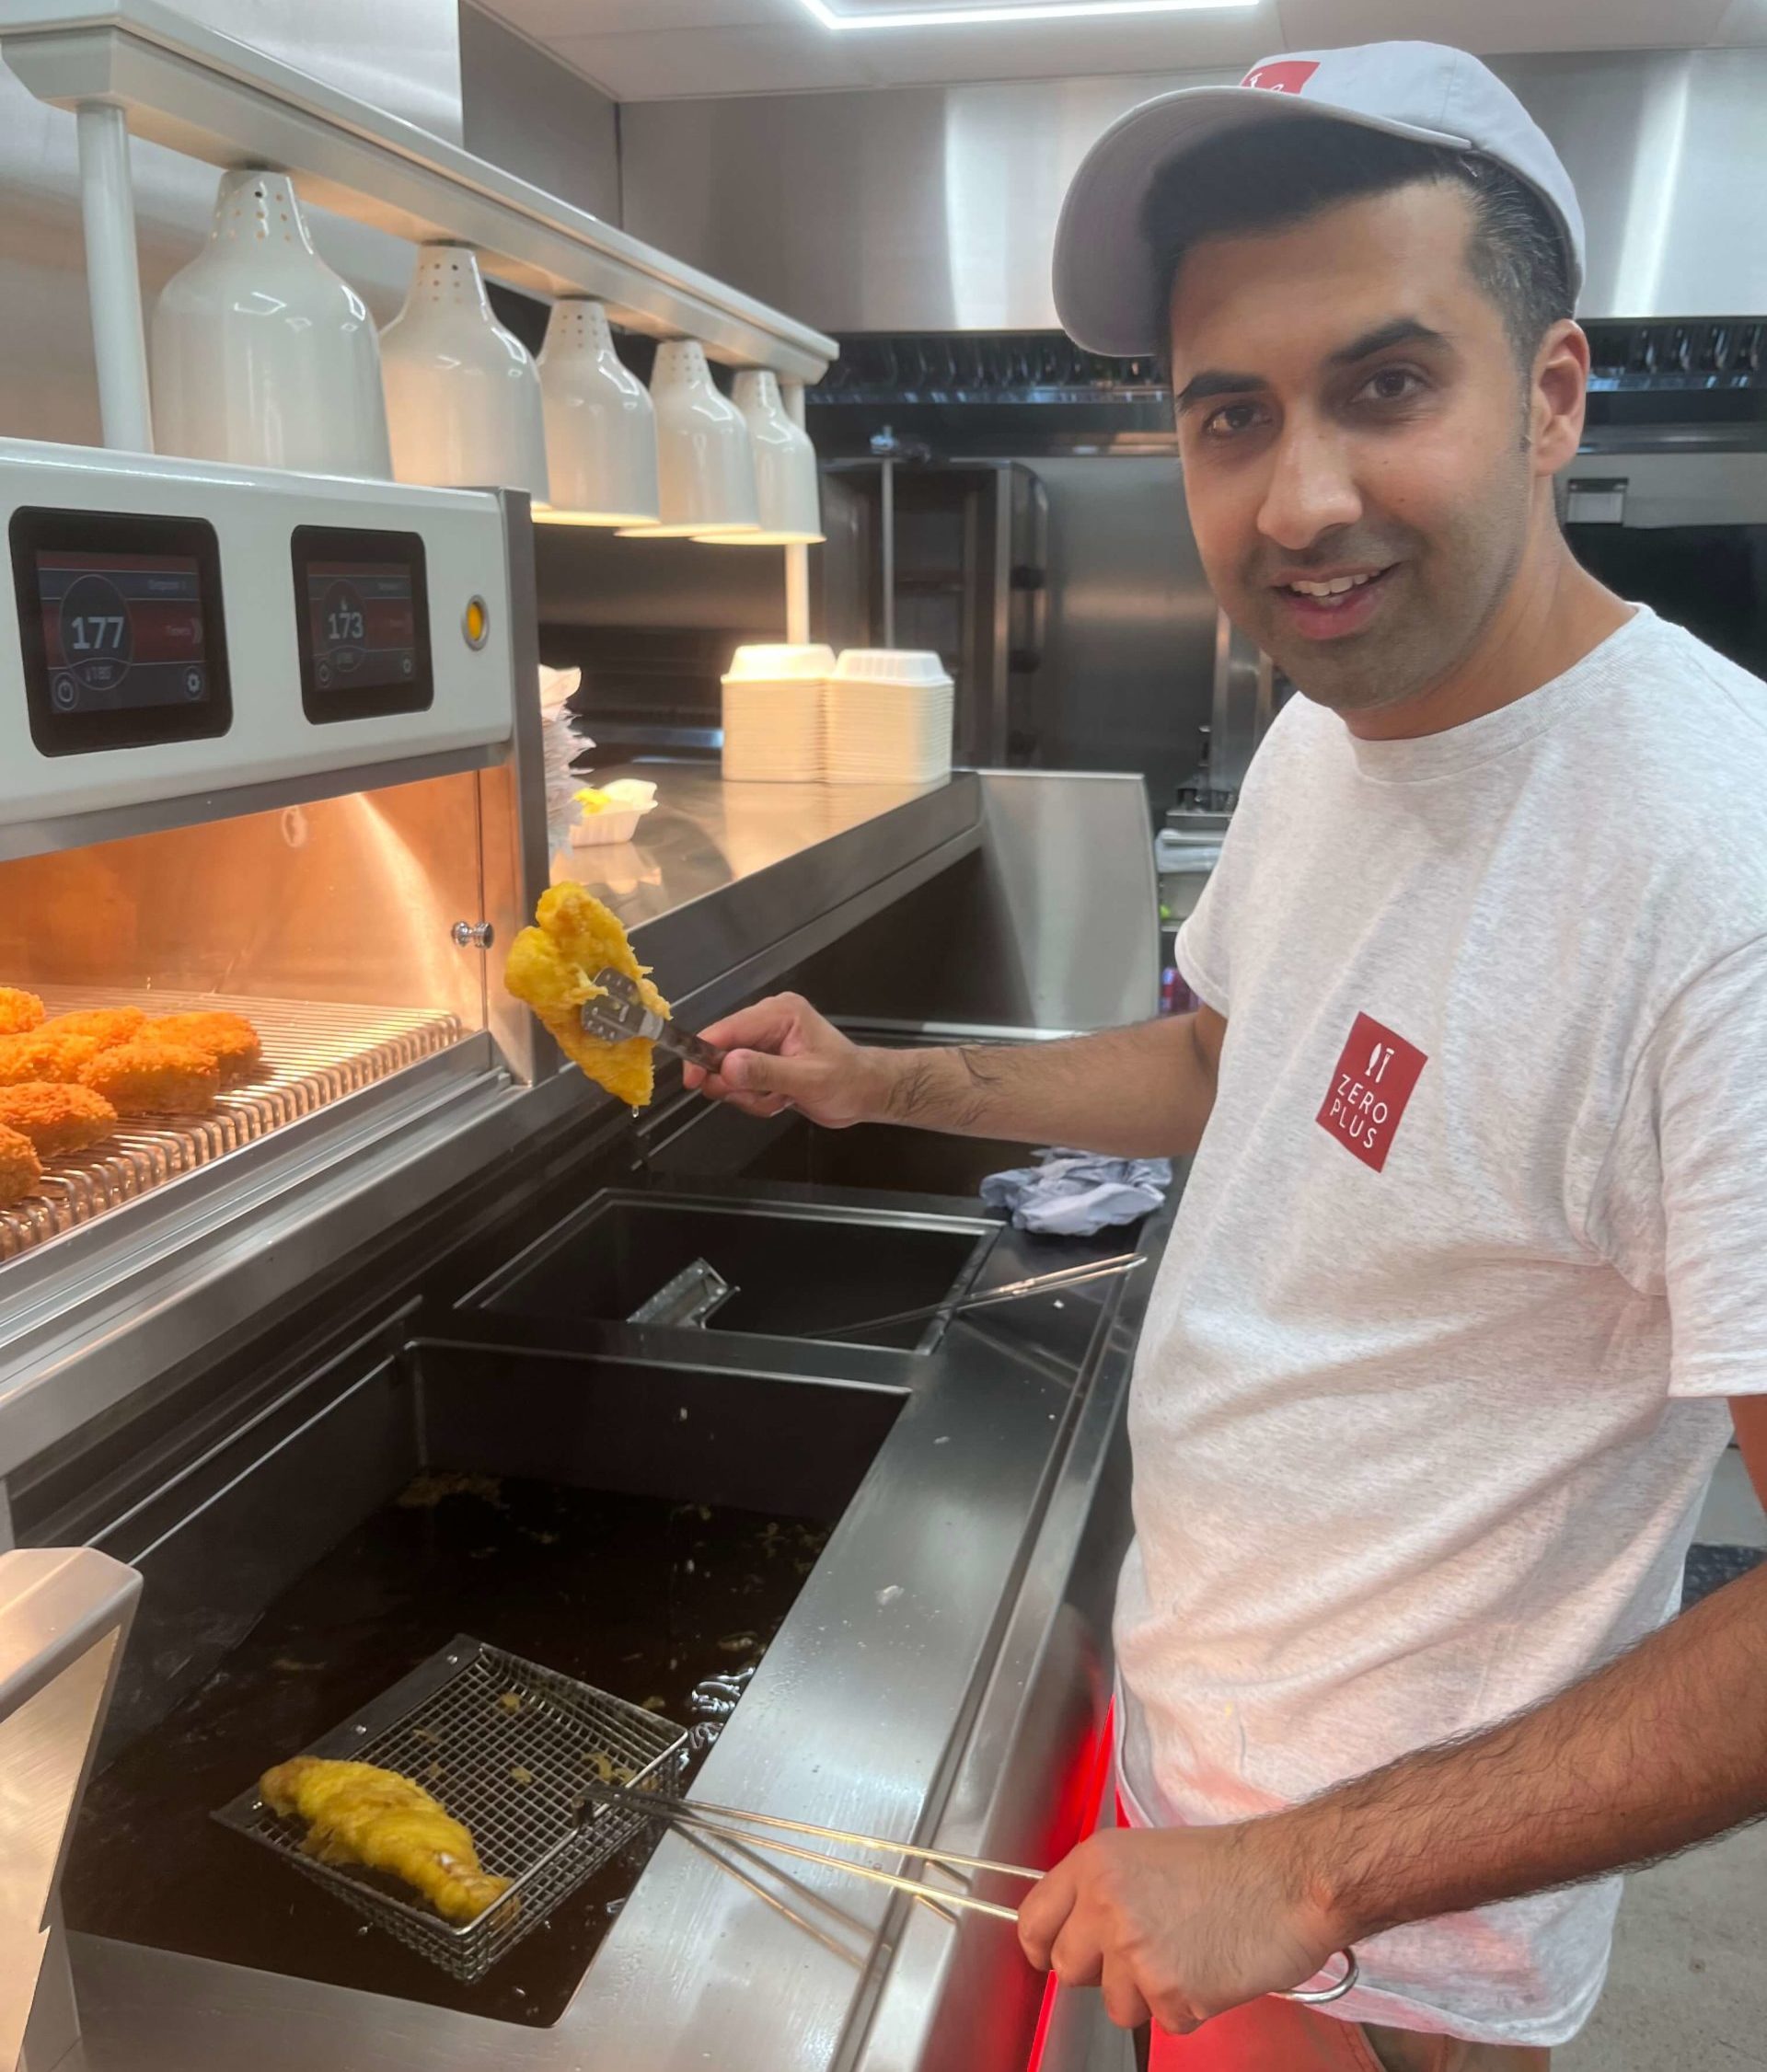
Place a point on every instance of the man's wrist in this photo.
(1304, 1848)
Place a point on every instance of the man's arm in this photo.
(1664, 1747)
(1748, 1414)
(1145, 1091)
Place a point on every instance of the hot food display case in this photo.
(375, 1354)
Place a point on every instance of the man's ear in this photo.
(1557, 395)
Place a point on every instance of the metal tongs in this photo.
(753, 1830)
(619, 1015)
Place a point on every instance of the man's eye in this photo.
(1229, 420)
(1391, 385)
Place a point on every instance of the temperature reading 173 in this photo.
(343, 630)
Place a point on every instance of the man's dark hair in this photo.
(1273, 174)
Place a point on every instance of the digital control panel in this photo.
(362, 620)
(121, 628)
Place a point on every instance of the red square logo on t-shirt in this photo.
(1289, 76)
(1372, 1083)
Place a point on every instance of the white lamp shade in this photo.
(787, 491)
(463, 394)
(704, 463)
(259, 352)
(600, 425)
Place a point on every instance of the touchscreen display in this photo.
(122, 630)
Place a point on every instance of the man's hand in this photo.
(781, 1053)
(1178, 1923)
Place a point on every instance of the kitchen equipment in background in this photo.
(65, 1616)
(1678, 526)
(773, 713)
(704, 460)
(888, 717)
(600, 423)
(260, 354)
(787, 495)
(951, 558)
(463, 394)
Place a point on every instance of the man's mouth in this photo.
(1337, 600)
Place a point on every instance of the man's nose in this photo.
(1311, 489)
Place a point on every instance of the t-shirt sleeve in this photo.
(1201, 948)
(1702, 1089)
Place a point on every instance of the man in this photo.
(1469, 1259)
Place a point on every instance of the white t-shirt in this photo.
(1472, 1253)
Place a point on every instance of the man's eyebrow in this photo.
(1215, 382)
(1402, 330)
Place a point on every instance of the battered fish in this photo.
(57, 1120)
(358, 1814)
(105, 1026)
(229, 1039)
(58, 1059)
(550, 967)
(19, 1171)
(153, 1078)
(19, 1011)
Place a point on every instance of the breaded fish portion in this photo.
(550, 966)
(229, 1039)
(20, 1171)
(356, 1813)
(57, 1120)
(105, 1026)
(19, 1011)
(153, 1078)
(40, 1056)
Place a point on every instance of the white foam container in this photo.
(888, 717)
(773, 713)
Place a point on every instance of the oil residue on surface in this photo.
(637, 1596)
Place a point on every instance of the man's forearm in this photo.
(1140, 1092)
(1665, 1747)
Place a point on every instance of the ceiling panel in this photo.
(1071, 50)
(1493, 26)
(1745, 21)
(547, 19)
(664, 64)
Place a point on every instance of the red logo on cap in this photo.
(1287, 76)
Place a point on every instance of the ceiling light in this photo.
(836, 14)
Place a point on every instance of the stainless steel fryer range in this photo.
(794, 1270)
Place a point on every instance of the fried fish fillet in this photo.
(358, 1814)
(152, 1079)
(19, 1011)
(57, 1120)
(20, 1171)
(40, 1056)
(550, 967)
(105, 1026)
(229, 1039)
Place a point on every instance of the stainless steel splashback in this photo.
(934, 208)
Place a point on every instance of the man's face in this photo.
(1351, 415)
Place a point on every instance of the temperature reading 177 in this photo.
(96, 633)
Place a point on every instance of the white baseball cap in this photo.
(1107, 294)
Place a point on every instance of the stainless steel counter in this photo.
(943, 1674)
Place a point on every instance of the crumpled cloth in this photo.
(1073, 1194)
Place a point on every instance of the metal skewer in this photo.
(1016, 1291)
(715, 1820)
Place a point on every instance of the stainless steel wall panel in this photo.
(932, 208)
(523, 110)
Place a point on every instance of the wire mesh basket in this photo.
(510, 1749)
